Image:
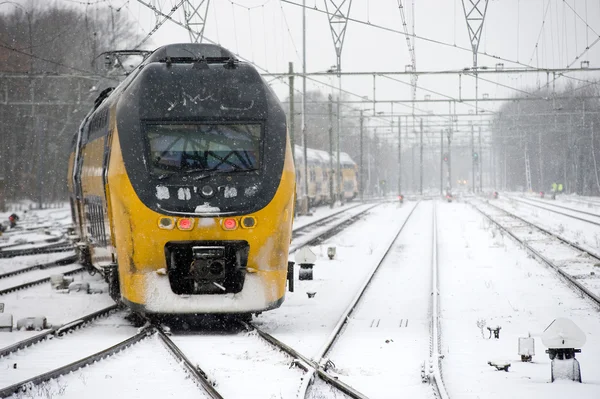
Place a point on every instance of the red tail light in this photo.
(229, 224)
(185, 224)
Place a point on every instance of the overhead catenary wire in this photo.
(439, 42)
(535, 47)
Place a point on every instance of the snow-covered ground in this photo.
(320, 213)
(585, 234)
(484, 278)
(58, 308)
(145, 370)
(59, 351)
(239, 363)
(580, 265)
(23, 262)
(304, 323)
(387, 338)
(487, 280)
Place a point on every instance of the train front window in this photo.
(204, 147)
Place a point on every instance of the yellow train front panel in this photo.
(141, 250)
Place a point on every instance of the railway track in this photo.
(244, 348)
(328, 224)
(539, 244)
(320, 230)
(320, 367)
(59, 262)
(53, 247)
(58, 331)
(39, 281)
(548, 207)
(321, 357)
(87, 322)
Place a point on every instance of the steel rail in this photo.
(548, 232)
(58, 331)
(436, 356)
(555, 211)
(305, 363)
(332, 230)
(337, 331)
(37, 282)
(59, 262)
(569, 279)
(55, 247)
(326, 219)
(199, 375)
(548, 203)
(39, 379)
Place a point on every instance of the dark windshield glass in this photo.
(204, 147)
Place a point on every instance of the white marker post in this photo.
(306, 258)
(563, 339)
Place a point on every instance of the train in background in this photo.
(181, 184)
(319, 175)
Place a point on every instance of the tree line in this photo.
(50, 75)
(550, 137)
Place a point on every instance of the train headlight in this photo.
(229, 224)
(248, 222)
(166, 223)
(185, 224)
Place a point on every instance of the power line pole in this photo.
(338, 22)
(331, 175)
(479, 158)
(421, 161)
(304, 139)
(473, 158)
(442, 162)
(475, 13)
(292, 113)
(450, 159)
(361, 173)
(399, 156)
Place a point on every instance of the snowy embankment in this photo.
(487, 281)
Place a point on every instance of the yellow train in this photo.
(182, 186)
(319, 175)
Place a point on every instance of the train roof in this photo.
(320, 156)
(190, 51)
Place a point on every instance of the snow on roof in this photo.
(320, 156)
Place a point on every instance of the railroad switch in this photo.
(495, 330)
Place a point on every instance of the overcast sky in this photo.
(269, 33)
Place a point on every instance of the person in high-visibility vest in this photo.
(554, 187)
(560, 187)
